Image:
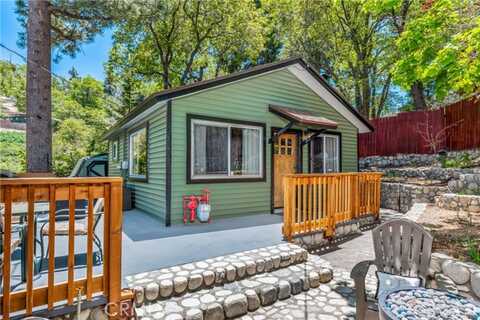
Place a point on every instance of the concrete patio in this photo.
(149, 245)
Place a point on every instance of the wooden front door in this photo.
(285, 162)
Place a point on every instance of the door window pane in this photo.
(317, 155)
(331, 154)
(325, 154)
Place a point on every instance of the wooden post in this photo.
(115, 252)
(7, 229)
(378, 179)
(330, 207)
(355, 196)
(287, 228)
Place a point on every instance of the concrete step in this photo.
(229, 297)
(163, 283)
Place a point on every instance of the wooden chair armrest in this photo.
(360, 270)
(358, 274)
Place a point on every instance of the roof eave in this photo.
(175, 92)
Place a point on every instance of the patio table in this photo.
(426, 304)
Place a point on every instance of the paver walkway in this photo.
(332, 301)
(164, 294)
(347, 253)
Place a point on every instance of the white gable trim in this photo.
(304, 75)
(145, 114)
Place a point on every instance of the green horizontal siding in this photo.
(148, 196)
(248, 100)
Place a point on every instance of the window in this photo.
(138, 153)
(222, 150)
(115, 150)
(325, 153)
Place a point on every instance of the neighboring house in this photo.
(236, 135)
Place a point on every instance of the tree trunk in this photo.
(366, 95)
(418, 96)
(39, 99)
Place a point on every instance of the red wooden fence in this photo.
(454, 127)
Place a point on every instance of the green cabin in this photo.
(236, 135)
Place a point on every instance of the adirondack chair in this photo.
(402, 247)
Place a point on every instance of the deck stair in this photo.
(239, 285)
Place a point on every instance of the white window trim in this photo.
(228, 125)
(337, 138)
(130, 154)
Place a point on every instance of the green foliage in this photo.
(461, 161)
(440, 47)
(12, 151)
(474, 251)
(81, 114)
(70, 143)
(75, 22)
(165, 44)
(349, 47)
(12, 83)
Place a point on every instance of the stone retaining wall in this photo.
(430, 173)
(468, 183)
(410, 160)
(401, 197)
(452, 201)
(455, 276)
(314, 240)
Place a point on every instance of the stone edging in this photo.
(250, 300)
(452, 201)
(176, 281)
(232, 300)
(453, 275)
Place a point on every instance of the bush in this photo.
(12, 151)
(71, 141)
(461, 161)
(474, 251)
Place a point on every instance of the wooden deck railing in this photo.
(33, 191)
(315, 202)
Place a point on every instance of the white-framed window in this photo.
(115, 150)
(138, 159)
(224, 150)
(325, 154)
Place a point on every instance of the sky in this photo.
(89, 61)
